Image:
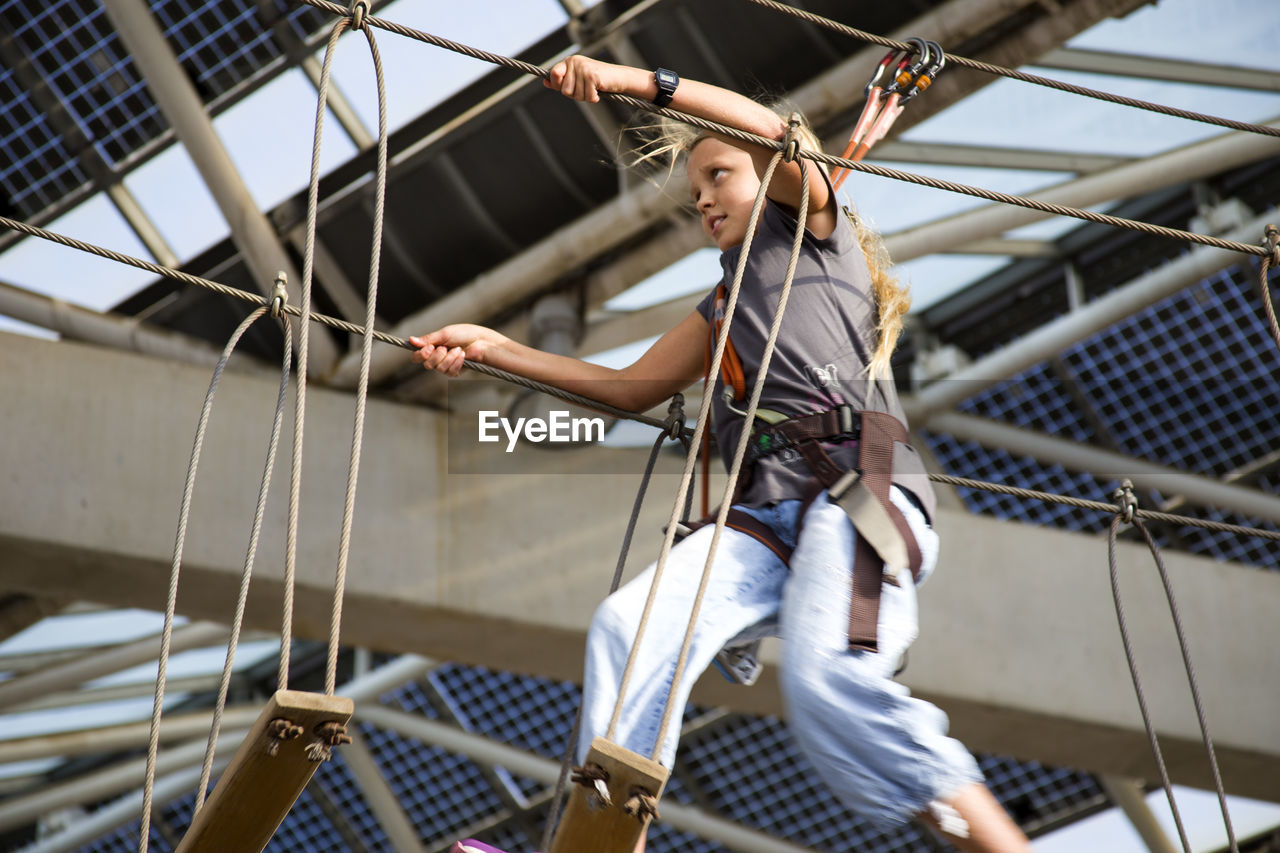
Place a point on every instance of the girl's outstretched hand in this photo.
(583, 78)
(447, 349)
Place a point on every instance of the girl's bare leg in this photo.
(990, 828)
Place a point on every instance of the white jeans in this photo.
(883, 753)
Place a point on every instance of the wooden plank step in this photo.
(267, 774)
(589, 824)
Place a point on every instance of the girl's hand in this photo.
(447, 349)
(583, 78)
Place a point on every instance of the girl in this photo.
(882, 752)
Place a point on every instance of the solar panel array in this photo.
(1188, 383)
(68, 85)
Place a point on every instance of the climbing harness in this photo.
(885, 103)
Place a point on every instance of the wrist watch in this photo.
(667, 82)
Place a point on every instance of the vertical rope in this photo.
(675, 426)
(166, 636)
(1191, 681)
(224, 685)
(300, 395)
(691, 456)
(744, 440)
(362, 386)
(1137, 684)
(1269, 262)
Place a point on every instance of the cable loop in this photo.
(1126, 501)
(673, 426)
(279, 294)
(791, 145)
(357, 10)
(1271, 242)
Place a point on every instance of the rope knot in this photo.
(1271, 241)
(357, 10)
(594, 777)
(279, 294)
(791, 146)
(328, 735)
(1126, 501)
(673, 426)
(641, 805)
(281, 730)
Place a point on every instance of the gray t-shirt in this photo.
(827, 338)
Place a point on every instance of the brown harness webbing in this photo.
(885, 541)
(884, 536)
(744, 522)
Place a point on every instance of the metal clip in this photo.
(1126, 501)
(926, 70)
(792, 147)
(1271, 241)
(674, 424)
(357, 10)
(279, 294)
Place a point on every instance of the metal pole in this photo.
(1127, 794)
(128, 807)
(120, 777)
(34, 685)
(112, 330)
(1106, 464)
(107, 783)
(1053, 338)
(378, 794)
(123, 737)
(182, 106)
(1200, 160)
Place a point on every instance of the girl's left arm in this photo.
(583, 79)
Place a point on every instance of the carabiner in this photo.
(909, 70)
(874, 82)
(932, 68)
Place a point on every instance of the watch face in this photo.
(666, 78)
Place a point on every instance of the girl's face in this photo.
(723, 184)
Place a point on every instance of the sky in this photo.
(269, 138)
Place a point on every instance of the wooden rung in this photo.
(259, 788)
(588, 826)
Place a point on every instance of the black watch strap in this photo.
(667, 82)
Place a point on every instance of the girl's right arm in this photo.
(673, 363)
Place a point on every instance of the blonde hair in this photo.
(670, 140)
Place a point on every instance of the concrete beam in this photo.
(504, 569)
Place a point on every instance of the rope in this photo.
(184, 514)
(1099, 506)
(1127, 514)
(366, 356)
(674, 430)
(304, 336)
(224, 686)
(1270, 260)
(1035, 79)
(744, 438)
